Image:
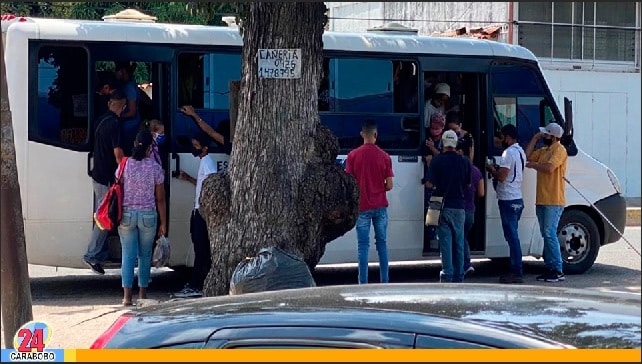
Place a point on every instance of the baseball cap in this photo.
(442, 88)
(553, 129)
(449, 139)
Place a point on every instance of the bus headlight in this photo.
(614, 181)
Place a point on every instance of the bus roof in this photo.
(92, 30)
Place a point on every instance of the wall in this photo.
(606, 118)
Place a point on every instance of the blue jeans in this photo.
(549, 217)
(468, 224)
(510, 211)
(137, 231)
(379, 218)
(451, 244)
(98, 251)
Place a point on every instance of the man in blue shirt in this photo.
(449, 175)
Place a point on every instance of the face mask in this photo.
(547, 142)
(196, 152)
(159, 138)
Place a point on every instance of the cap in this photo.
(553, 129)
(449, 139)
(437, 118)
(442, 88)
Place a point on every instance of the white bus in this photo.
(51, 72)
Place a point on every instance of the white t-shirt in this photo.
(205, 168)
(432, 109)
(511, 188)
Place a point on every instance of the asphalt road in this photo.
(80, 305)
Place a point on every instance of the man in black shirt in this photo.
(107, 154)
(449, 174)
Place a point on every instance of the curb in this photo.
(633, 216)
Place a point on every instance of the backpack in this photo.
(110, 210)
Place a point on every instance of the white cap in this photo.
(449, 139)
(553, 129)
(442, 88)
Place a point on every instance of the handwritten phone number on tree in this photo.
(279, 63)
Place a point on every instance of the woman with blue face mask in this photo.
(157, 129)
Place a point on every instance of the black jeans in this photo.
(202, 250)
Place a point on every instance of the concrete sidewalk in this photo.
(633, 207)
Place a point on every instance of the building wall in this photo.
(606, 100)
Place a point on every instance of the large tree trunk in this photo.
(16, 291)
(282, 187)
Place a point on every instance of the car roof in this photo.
(575, 317)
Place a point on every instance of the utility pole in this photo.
(14, 277)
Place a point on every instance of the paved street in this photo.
(80, 305)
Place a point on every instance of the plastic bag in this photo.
(271, 270)
(160, 258)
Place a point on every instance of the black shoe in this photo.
(542, 277)
(95, 267)
(552, 276)
(511, 278)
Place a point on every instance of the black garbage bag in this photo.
(271, 269)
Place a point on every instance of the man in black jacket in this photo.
(108, 152)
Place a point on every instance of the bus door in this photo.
(151, 66)
(200, 79)
(515, 95)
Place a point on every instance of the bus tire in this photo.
(579, 241)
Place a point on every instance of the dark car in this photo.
(387, 316)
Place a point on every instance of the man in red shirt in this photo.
(372, 168)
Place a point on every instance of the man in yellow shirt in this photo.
(550, 163)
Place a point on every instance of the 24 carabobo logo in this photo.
(30, 343)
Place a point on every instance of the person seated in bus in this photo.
(475, 190)
(222, 139)
(429, 150)
(130, 118)
(143, 207)
(453, 122)
(198, 226)
(107, 155)
(449, 174)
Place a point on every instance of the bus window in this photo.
(363, 85)
(518, 96)
(62, 116)
(204, 82)
(382, 90)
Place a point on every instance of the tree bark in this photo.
(16, 289)
(282, 187)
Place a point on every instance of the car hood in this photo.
(581, 318)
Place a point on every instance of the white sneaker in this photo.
(187, 292)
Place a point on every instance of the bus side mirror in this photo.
(567, 138)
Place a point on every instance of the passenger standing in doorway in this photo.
(449, 175)
(372, 168)
(438, 102)
(550, 163)
(130, 118)
(508, 175)
(474, 191)
(143, 207)
(107, 154)
(198, 226)
(221, 136)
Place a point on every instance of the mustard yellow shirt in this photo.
(550, 186)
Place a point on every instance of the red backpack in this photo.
(110, 210)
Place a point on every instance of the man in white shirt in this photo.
(198, 226)
(508, 175)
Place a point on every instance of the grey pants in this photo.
(98, 251)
